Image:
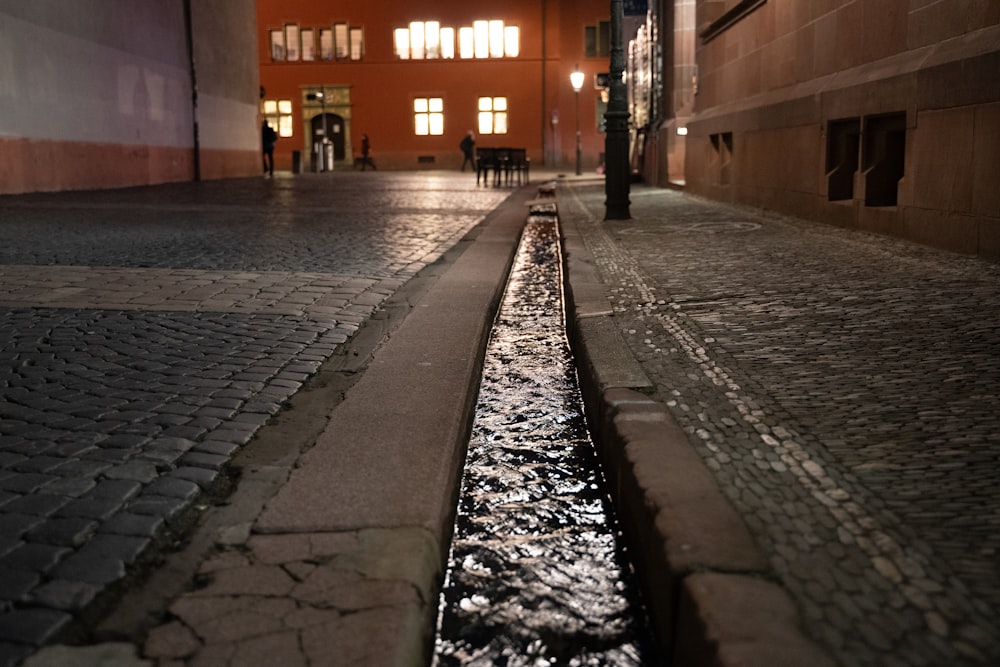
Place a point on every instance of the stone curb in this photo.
(344, 562)
(703, 579)
(391, 457)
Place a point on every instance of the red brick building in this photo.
(417, 75)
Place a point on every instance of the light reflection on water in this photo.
(536, 574)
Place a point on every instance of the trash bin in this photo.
(296, 162)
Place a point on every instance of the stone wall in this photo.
(882, 115)
(98, 93)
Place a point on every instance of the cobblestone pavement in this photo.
(844, 388)
(147, 333)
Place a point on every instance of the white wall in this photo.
(102, 71)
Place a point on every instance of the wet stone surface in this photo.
(845, 390)
(536, 575)
(146, 334)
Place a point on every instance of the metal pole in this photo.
(616, 180)
(189, 33)
(579, 148)
(322, 106)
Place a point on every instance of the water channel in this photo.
(537, 574)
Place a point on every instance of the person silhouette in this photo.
(268, 137)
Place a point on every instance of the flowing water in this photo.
(537, 575)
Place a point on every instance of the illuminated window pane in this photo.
(482, 38)
(485, 122)
(417, 40)
(447, 42)
(432, 38)
(278, 114)
(500, 123)
(512, 41)
(402, 42)
(308, 45)
(326, 44)
(466, 42)
(292, 42)
(357, 44)
(428, 116)
(492, 115)
(277, 45)
(421, 125)
(496, 39)
(341, 41)
(437, 123)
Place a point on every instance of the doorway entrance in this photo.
(327, 140)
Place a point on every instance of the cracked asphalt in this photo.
(146, 335)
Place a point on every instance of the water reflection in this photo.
(536, 575)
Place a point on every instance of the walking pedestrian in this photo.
(366, 148)
(268, 137)
(468, 147)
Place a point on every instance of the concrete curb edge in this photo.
(706, 584)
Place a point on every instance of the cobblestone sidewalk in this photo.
(146, 334)
(844, 388)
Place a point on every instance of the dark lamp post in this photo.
(576, 80)
(617, 173)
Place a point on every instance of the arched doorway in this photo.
(330, 126)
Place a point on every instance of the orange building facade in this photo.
(417, 76)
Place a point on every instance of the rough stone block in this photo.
(729, 620)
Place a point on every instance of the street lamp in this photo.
(324, 164)
(576, 80)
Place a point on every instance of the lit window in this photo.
(402, 42)
(278, 114)
(482, 37)
(277, 45)
(326, 44)
(308, 45)
(357, 44)
(447, 42)
(428, 116)
(466, 42)
(340, 40)
(292, 42)
(432, 39)
(492, 115)
(511, 41)
(417, 40)
(496, 39)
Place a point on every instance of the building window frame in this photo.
(428, 116)
(493, 115)
(308, 37)
(597, 40)
(430, 40)
(276, 38)
(278, 114)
